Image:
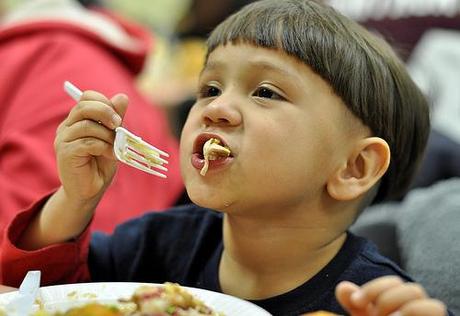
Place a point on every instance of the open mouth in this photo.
(210, 148)
(198, 148)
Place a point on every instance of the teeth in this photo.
(212, 151)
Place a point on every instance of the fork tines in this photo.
(134, 151)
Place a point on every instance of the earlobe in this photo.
(367, 163)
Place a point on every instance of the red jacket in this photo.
(59, 263)
(36, 56)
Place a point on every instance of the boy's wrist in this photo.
(72, 215)
(81, 205)
(61, 219)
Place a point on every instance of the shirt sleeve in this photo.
(59, 263)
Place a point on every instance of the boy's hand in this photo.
(86, 165)
(84, 145)
(387, 295)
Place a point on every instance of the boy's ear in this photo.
(364, 168)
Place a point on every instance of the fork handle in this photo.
(72, 90)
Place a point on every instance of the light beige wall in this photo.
(161, 15)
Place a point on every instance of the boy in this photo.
(311, 108)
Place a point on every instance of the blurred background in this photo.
(426, 36)
(161, 15)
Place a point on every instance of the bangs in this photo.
(298, 28)
(249, 27)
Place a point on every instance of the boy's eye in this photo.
(267, 93)
(209, 92)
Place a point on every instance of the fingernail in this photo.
(357, 296)
(116, 120)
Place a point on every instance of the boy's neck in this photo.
(261, 261)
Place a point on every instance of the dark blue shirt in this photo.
(184, 245)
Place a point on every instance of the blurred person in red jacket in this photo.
(42, 44)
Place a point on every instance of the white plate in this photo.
(62, 297)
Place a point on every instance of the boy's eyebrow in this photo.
(267, 66)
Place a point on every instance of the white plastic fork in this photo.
(129, 148)
(22, 303)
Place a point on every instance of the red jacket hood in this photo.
(128, 40)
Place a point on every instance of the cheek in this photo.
(290, 158)
(190, 122)
(185, 148)
(191, 126)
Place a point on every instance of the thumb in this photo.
(343, 293)
(120, 103)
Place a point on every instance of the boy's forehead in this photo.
(231, 56)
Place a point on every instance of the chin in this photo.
(207, 199)
(203, 200)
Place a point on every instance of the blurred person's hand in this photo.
(388, 295)
(5, 289)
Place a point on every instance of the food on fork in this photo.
(135, 152)
(212, 150)
(142, 153)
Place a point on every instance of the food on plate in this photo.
(211, 151)
(166, 300)
(171, 299)
(320, 313)
(90, 309)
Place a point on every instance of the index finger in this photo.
(94, 106)
(343, 293)
(370, 291)
(120, 103)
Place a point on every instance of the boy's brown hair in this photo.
(360, 67)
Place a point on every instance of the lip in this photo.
(214, 165)
(197, 159)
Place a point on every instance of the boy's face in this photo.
(285, 128)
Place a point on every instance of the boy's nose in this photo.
(221, 112)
